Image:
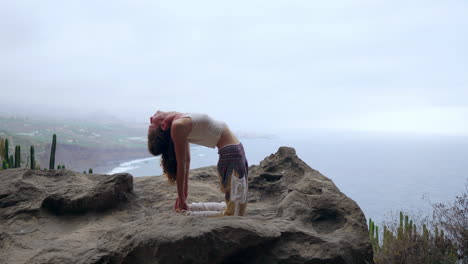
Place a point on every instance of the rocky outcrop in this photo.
(295, 215)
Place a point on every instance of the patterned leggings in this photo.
(233, 172)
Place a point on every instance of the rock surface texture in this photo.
(294, 215)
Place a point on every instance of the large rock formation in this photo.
(295, 215)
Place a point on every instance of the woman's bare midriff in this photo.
(227, 138)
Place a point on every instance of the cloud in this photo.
(430, 120)
(249, 62)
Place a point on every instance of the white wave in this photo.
(130, 165)
(137, 138)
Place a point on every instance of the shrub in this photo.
(453, 218)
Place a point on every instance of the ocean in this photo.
(383, 173)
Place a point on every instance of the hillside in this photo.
(80, 143)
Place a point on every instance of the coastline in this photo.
(405, 166)
(101, 160)
(129, 165)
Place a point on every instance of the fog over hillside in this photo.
(387, 66)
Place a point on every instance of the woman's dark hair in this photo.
(160, 143)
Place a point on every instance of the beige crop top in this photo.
(206, 131)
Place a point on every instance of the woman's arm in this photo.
(187, 170)
(179, 133)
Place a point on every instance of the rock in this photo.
(25, 191)
(295, 215)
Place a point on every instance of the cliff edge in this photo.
(294, 215)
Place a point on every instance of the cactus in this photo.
(18, 156)
(2, 149)
(4, 165)
(377, 236)
(33, 160)
(63, 166)
(5, 152)
(90, 171)
(52, 152)
(400, 228)
(374, 235)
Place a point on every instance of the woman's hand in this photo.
(180, 205)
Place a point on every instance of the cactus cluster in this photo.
(406, 237)
(7, 160)
(406, 231)
(14, 161)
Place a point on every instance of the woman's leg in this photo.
(236, 197)
(230, 206)
(209, 206)
(233, 171)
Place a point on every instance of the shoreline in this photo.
(128, 165)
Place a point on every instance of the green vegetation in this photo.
(442, 240)
(407, 245)
(84, 133)
(2, 149)
(78, 138)
(14, 161)
(52, 152)
(9, 161)
(17, 156)
(5, 155)
(33, 160)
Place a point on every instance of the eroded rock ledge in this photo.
(295, 215)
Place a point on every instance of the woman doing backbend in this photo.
(169, 135)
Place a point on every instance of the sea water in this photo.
(383, 173)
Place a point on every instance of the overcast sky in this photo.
(397, 65)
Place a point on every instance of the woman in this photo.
(169, 135)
